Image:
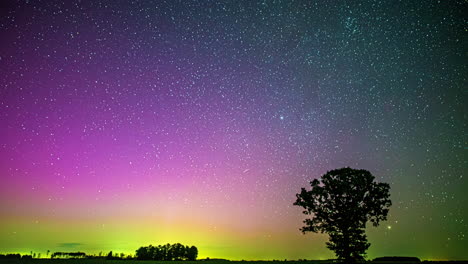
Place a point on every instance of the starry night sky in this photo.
(125, 123)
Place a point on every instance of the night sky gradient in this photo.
(128, 123)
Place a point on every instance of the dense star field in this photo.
(129, 123)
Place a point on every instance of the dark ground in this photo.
(103, 261)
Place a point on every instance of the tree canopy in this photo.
(340, 204)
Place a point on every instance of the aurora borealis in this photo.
(128, 123)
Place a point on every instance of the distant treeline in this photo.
(161, 252)
(13, 256)
(68, 255)
(54, 255)
(167, 252)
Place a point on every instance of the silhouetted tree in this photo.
(178, 251)
(192, 253)
(142, 253)
(169, 252)
(340, 204)
(160, 253)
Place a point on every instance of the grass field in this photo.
(103, 261)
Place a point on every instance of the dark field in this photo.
(103, 261)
